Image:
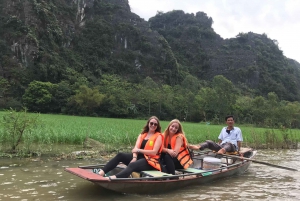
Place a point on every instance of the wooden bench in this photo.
(154, 173)
(194, 170)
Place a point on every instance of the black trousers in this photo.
(171, 163)
(137, 166)
(216, 147)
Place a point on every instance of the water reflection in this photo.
(46, 180)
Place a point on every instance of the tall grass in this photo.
(73, 130)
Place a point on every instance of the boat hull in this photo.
(154, 185)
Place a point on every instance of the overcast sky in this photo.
(279, 19)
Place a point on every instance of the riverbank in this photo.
(95, 150)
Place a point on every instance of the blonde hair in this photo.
(167, 132)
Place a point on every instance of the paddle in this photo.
(261, 162)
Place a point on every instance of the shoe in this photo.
(97, 170)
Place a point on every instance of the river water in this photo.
(27, 180)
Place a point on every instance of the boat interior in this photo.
(226, 162)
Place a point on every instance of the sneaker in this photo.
(96, 171)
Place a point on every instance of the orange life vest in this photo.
(153, 160)
(183, 156)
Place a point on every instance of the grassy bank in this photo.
(117, 133)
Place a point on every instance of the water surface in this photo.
(24, 179)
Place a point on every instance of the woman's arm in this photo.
(155, 149)
(178, 144)
(174, 152)
(137, 146)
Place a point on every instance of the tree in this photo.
(149, 93)
(206, 103)
(243, 109)
(38, 96)
(259, 112)
(86, 100)
(119, 94)
(61, 96)
(225, 95)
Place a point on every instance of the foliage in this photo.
(38, 96)
(99, 59)
(86, 100)
(18, 127)
(112, 132)
(183, 32)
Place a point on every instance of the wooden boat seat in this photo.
(154, 173)
(242, 150)
(228, 161)
(194, 170)
(230, 153)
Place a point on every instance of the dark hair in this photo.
(229, 116)
(146, 127)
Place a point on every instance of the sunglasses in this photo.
(152, 123)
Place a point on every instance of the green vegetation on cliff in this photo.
(96, 58)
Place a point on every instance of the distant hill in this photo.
(249, 60)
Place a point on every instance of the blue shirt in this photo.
(233, 136)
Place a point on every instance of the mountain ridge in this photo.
(80, 41)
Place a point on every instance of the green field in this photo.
(73, 130)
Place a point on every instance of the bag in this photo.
(191, 152)
(163, 166)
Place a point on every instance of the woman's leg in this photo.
(177, 164)
(136, 166)
(120, 157)
(169, 164)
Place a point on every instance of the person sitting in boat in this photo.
(145, 155)
(175, 153)
(230, 139)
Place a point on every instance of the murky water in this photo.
(46, 180)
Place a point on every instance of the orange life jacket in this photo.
(183, 156)
(153, 160)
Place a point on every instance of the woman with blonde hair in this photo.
(176, 154)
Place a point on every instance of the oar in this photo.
(261, 162)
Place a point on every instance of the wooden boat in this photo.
(149, 182)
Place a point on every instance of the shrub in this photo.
(18, 127)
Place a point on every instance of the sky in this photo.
(279, 19)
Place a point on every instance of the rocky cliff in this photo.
(80, 40)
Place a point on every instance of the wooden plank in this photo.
(194, 170)
(155, 173)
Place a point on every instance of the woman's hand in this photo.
(172, 153)
(194, 147)
(133, 160)
(135, 150)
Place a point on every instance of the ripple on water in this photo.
(46, 181)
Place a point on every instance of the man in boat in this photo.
(230, 139)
